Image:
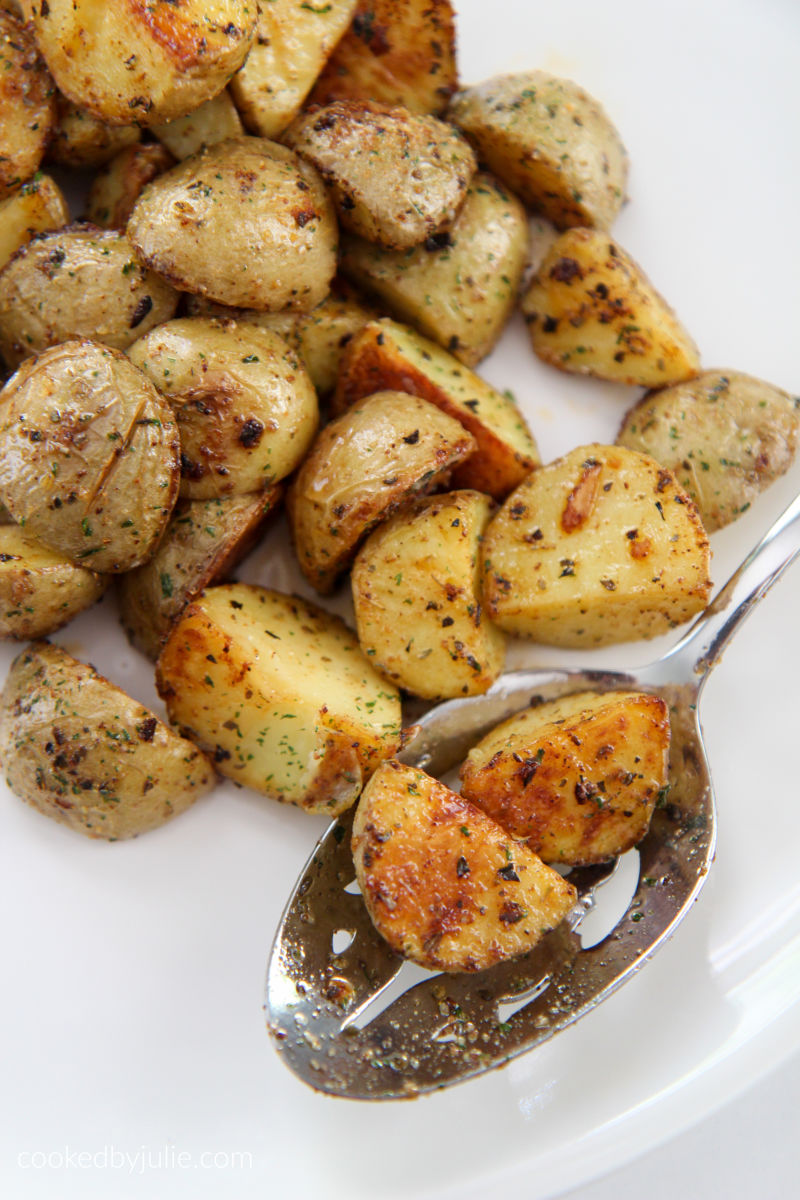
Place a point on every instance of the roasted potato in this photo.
(600, 546)
(386, 355)
(37, 206)
(27, 104)
(245, 222)
(550, 142)
(280, 694)
(417, 598)
(80, 139)
(442, 882)
(202, 545)
(395, 52)
(40, 590)
(212, 122)
(81, 751)
(725, 436)
(292, 43)
(142, 61)
(79, 281)
(88, 455)
(577, 778)
(364, 466)
(460, 286)
(116, 188)
(245, 406)
(591, 310)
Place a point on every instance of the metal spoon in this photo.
(321, 991)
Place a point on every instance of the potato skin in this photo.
(27, 104)
(443, 883)
(245, 202)
(725, 435)
(37, 206)
(40, 590)
(88, 455)
(79, 281)
(116, 188)
(576, 778)
(81, 751)
(80, 139)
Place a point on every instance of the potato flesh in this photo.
(444, 884)
(116, 188)
(37, 206)
(212, 122)
(27, 107)
(40, 590)
(576, 778)
(279, 693)
(598, 547)
(417, 598)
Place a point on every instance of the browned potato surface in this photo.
(443, 883)
(81, 139)
(37, 206)
(27, 105)
(40, 590)
(116, 188)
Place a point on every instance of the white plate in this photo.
(133, 973)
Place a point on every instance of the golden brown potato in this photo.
(363, 466)
(550, 142)
(591, 310)
(116, 188)
(27, 105)
(212, 122)
(81, 751)
(142, 61)
(280, 694)
(88, 455)
(445, 885)
(40, 590)
(79, 281)
(460, 286)
(417, 598)
(386, 355)
(245, 406)
(245, 223)
(37, 206)
(81, 139)
(600, 546)
(576, 778)
(202, 545)
(292, 43)
(725, 436)
(395, 52)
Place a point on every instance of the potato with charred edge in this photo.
(387, 355)
(37, 206)
(81, 751)
(725, 435)
(202, 545)
(442, 882)
(363, 467)
(245, 406)
(591, 310)
(279, 693)
(212, 122)
(40, 590)
(81, 139)
(598, 547)
(576, 778)
(116, 188)
(417, 598)
(27, 104)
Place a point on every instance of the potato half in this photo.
(279, 693)
(576, 778)
(116, 188)
(81, 751)
(40, 590)
(442, 882)
(37, 206)
(27, 104)
(600, 546)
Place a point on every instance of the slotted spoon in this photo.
(329, 966)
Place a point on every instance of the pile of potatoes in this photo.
(301, 237)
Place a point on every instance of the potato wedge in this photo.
(78, 281)
(212, 122)
(417, 598)
(88, 455)
(245, 406)
(292, 43)
(442, 882)
(81, 751)
(118, 185)
(395, 52)
(591, 310)
(387, 355)
(27, 104)
(144, 61)
(363, 466)
(576, 778)
(460, 286)
(280, 694)
(726, 437)
(245, 223)
(550, 142)
(598, 547)
(37, 206)
(80, 139)
(202, 545)
(40, 590)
